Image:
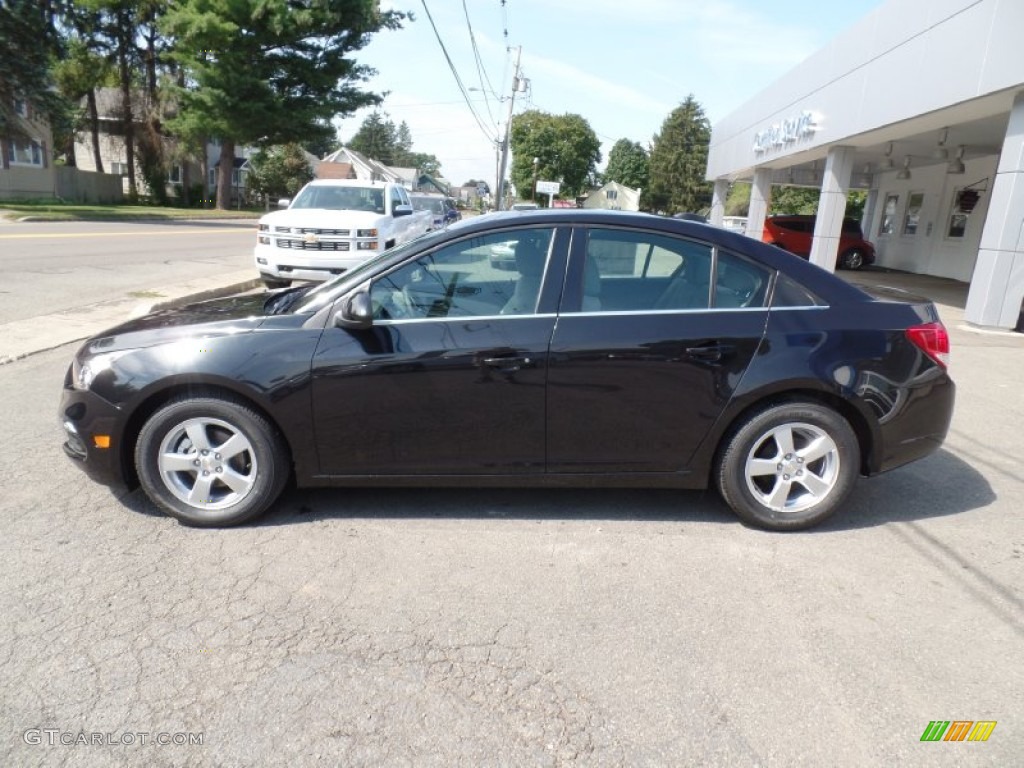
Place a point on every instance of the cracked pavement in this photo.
(510, 628)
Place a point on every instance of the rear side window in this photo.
(627, 271)
(789, 293)
(739, 283)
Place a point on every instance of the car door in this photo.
(450, 378)
(653, 337)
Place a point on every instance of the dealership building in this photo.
(920, 104)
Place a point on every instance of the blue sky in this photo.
(621, 64)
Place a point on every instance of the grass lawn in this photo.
(49, 210)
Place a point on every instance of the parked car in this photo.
(795, 234)
(525, 206)
(333, 225)
(735, 223)
(622, 350)
(442, 211)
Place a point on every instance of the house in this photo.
(614, 197)
(26, 169)
(114, 155)
(361, 166)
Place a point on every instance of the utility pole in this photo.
(508, 130)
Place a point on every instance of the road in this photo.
(445, 628)
(52, 267)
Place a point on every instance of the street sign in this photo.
(549, 187)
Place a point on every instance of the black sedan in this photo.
(621, 350)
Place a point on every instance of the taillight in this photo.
(933, 340)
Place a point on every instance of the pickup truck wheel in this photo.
(211, 461)
(788, 466)
(273, 283)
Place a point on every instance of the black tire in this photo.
(272, 283)
(244, 480)
(768, 487)
(852, 258)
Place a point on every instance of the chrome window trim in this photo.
(462, 319)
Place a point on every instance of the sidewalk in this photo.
(38, 334)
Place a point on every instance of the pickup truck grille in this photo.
(312, 231)
(319, 245)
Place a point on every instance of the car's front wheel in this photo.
(210, 461)
(852, 258)
(273, 283)
(788, 466)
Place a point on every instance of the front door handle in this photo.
(711, 353)
(508, 364)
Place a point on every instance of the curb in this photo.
(193, 298)
(30, 336)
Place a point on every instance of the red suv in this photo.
(795, 233)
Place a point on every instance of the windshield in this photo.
(326, 197)
(434, 204)
(329, 291)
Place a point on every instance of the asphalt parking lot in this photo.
(483, 627)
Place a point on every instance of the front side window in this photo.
(489, 275)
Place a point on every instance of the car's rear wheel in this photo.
(272, 283)
(788, 466)
(210, 461)
(852, 258)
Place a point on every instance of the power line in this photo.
(455, 74)
(481, 71)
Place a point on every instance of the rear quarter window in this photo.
(789, 293)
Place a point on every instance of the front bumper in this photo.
(288, 264)
(89, 423)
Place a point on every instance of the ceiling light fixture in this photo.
(956, 165)
(888, 165)
(940, 152)
(905, 170)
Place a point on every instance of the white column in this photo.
(997, 287)
(869, 210)
(718, 195)
(828, 226)
(760, 197)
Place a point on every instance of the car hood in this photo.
(217, 317)
(320, 218)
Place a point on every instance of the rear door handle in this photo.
(711, 353)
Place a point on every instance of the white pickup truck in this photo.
(333, 225)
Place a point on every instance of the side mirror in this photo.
(356, 312)
(284, 202)
(402, 210)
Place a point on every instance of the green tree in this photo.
(566, 148)
(376, 138)
(679, 160)
(266, 72)
(27, 42)
(279, 171)
(425, 163)
(737, 202)
(628, 164)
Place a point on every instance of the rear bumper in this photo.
(920, 427)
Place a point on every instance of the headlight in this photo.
(264, 227)
(366, 232)
(84, 372)
(263, 240)
(369, 245)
